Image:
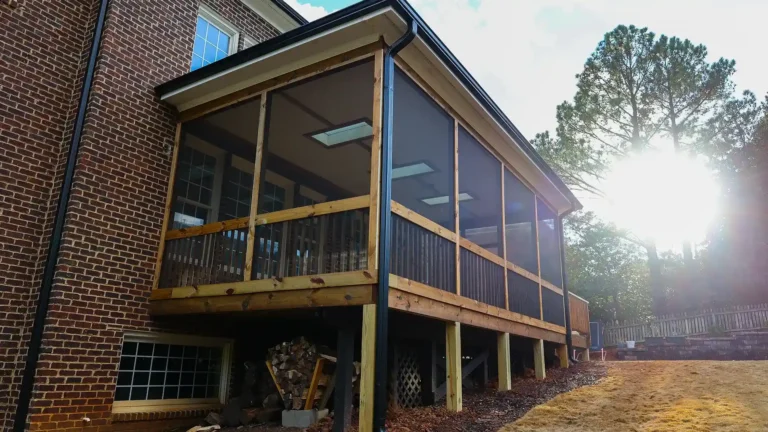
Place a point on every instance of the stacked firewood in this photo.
(293, 364)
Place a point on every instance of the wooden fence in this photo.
(710, 321)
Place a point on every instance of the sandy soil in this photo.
(660, 396)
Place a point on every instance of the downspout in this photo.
(566, 299)
(385, 227)
(38, 325)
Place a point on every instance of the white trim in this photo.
(248, 41)
(180, 339)
(272, 14)
(223, 25)
(274, 53)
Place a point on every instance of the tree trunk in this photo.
(657, 283)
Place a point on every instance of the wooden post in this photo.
(562, 354)
(367, 360)
(376, 123)
(538, 253)
(249, 249)
(586, 353)
(456, 203)
(504, 240)
(453, 360)
(505, 364)
(168, 203)
(342, 401)
(538, 358)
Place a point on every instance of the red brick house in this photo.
(136, 276)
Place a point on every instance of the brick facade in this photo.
(108, 253)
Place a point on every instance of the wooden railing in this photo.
(423, 256)
(322, 238)
(425, 252)
(579, 314)
(709, 321)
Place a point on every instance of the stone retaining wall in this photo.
(742, 346)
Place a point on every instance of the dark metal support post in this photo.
(566, 300)
(385, 227)
(38, 325)
(342, 403)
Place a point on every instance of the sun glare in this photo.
(664, 196)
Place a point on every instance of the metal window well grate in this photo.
(406, 386)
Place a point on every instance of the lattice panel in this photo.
(408, 380)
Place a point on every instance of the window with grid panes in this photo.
(161, 371)
(236, 199)
(194, 188)
(212, 43)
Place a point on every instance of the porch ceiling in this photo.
(356, 26)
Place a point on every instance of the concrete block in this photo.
(302, 418)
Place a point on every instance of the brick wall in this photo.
(43, 47)
(108, 253)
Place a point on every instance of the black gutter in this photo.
(566, 294)
(385, 227)
(343, 16)
(283, 6)
(38, 325)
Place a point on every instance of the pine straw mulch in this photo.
(488, 410)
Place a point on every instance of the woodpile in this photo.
(293, 365)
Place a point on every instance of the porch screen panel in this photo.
(523, 295)
(520, 220)
(317, 145)
(549, 245)
(554, 311)
(479, 194)
(215, 166)
(423, 256)
(423, 153)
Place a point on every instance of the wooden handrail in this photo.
(210, 228)
(429, 225)
(272, 217)
(318, 209)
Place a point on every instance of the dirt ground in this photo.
(660, 396)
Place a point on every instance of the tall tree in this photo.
(687, 90)
(613, 113)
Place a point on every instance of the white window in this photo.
(165, 372)
(215, 39)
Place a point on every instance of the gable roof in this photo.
(348, 15)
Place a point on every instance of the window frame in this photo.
(222, 25)
(157, 405)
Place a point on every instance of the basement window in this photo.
(161, 372)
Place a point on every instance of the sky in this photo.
(526, 53)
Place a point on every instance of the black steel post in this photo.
(385, 225)
(38, 325)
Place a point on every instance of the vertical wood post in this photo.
(342, 401)
(453, 359)
(168, 203)
(586, 353)
(504, 240)
(562, 354)
(456, 203)
(504, 361)
(376, 123)
(249, 250)
(367, 360)
(538, 253)
(538, 358)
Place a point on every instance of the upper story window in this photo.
(214, 39)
